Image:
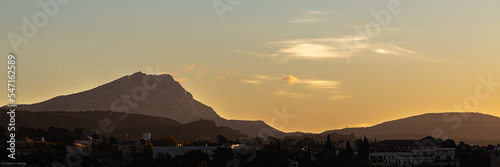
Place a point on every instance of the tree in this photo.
(348, 150)
(59, 135)
(221, 139)
(195, 158)
(113, 141)
(2, 131)
(363, 149)
(449, 144)
(328, 143)
(149, 151)
(165, 141)
(222, 156)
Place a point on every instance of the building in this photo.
(131, 147)
(494, 156)
(146, 136)
(408, 153)
(181, 150)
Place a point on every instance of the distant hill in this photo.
(476, 128)
(134, 125)
(168, 99)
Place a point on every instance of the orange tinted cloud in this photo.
(290, 79)
(189, 68)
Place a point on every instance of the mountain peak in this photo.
(167, 99)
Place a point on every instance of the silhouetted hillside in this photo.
(133, 125)
(168, 99)
(475, 128)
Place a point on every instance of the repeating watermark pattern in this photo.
(362, 38)
(482, 92)
(221, 8)
(249, 152)
(471, 103)
(128, 101)
(40, 19)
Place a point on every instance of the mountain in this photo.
(153, 95)
(475, 128)
(134, 125)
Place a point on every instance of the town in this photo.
(62, 147)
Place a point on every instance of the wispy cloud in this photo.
(181, 80)
(304, 20)
(324, 84)
(391, 49)
(291, 94)
(188, 68)
(255, 82)
(311, 48)
(260, 76)
(309, 17)
(229, 74)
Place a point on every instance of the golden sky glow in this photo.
(267, 55)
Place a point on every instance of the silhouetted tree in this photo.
(363, 149)
(195, 158)
(165, 141)
(148, 151)
(449, 144)
(113, 141)
(328, 143)
(222, 156)
(348, 151)
(221, 139)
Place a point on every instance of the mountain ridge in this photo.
(476, 128)
(164, 97)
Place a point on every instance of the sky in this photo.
(324, 64)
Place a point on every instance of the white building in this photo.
(405, 153)
(146, 136)
(181, 150)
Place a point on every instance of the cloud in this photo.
(291, 94)
(401, 49)
(255, 82)
(324, 84)
(311, 48)
(310, 51)
(290, 79)
(223, 75)
(397, 50)
(304, 20)
(321, 83)
(259, 76)
(309, 17)
(181, 80)
(188, 68)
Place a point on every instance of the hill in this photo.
(475, 128)
(134, 124)
(153, 95)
